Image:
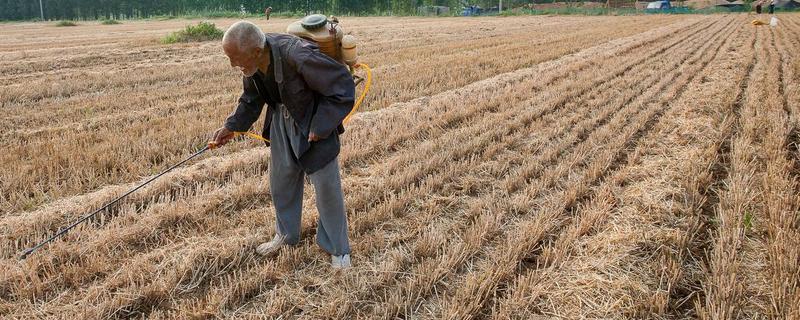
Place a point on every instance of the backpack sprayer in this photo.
(332, 41)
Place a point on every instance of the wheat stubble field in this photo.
(510, 168)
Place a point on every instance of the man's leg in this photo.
(286, 186)
(286, 182)
(332, 224)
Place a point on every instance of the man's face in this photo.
(246, 62)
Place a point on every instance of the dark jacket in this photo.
(317, 91)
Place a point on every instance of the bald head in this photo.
(243, 36)
(243, 43)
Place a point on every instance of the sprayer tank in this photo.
(328, 36)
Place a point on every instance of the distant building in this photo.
(433, 11)
(737, 4)
(787, 4)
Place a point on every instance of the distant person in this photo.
(772, 7)
(308, 95)
(758, 7)
(267, 12)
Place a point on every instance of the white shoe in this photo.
(340, 262)
(272, 246)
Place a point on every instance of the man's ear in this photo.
(257, 52)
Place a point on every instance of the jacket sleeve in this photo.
(334, 85)
(250, 105)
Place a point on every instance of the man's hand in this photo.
(221, 137)
(313, 137)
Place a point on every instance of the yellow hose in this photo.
(249, 134)
(213, 145)
(363, 93)
(346, 119)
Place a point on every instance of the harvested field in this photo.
(519, 167)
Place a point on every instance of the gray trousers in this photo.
(286, 184)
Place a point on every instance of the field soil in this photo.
(510, 168)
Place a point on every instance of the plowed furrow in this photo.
(480, 284)
(780, 185)
(656, 205)
(730, 288)
(403, 299)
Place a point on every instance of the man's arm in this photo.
(250, 105)
(332, 81)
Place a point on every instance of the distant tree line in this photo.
(133, 9)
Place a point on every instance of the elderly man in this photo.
(308, 95)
